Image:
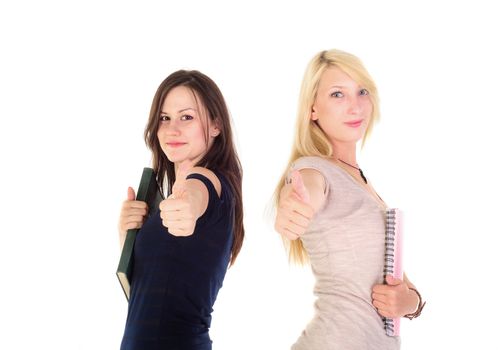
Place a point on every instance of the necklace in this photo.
(357, 168)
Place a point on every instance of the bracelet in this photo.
(419, 307)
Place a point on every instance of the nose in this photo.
(354, 105)
(172, 128)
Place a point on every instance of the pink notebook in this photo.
(393, 264)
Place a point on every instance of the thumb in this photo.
(393, 281)
(131, 194)
(181, 173)
(298, 186)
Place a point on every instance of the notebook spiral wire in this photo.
(389, 259)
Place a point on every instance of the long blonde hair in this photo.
(309, 139)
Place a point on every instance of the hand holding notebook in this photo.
(132, 215)
(149, 194)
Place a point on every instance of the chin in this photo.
(358, 136)
(348, 140)
(174, 158)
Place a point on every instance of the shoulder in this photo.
(331, 172)
(313, 169)
(320, 164)
(312, 178)
(207, 174)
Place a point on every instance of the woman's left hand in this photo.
(179, 212)
(394, 299)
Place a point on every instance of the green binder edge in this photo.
(149, 192)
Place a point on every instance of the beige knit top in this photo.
(345, 244)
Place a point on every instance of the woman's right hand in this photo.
(132, 215)
(294, 211)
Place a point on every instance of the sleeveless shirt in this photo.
(176, 279)
(345, 243)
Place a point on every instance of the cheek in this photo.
(160, 134)
(327, 110)
(198, 133)
(333, 113)
(368, 107)
(161, 128)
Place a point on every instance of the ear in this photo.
(214, 129)
(215, 132)
(314, 116)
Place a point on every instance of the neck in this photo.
(345, 152)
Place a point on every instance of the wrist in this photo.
(414, 301)
(420, 305)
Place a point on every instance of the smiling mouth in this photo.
(354, 123)
(175, 144)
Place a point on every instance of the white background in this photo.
(76, 84)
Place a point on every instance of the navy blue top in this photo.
(176, 279)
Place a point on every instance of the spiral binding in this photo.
(389, 259)
(390, 238)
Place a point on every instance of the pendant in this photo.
(363, 176)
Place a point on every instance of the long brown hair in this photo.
(221, 156)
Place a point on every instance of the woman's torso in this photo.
(345, 244)
(176, 279)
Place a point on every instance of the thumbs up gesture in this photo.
(132, 214)
(179, 212)
(294, 211)
(298, 187)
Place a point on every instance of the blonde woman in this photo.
(331, 216)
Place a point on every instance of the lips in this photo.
(354, 123)
(175, 144)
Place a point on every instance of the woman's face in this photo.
(182, 125)
(342, 108)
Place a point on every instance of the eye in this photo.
(364, 92)
(337, 94)
(186, 117)
(163, 118)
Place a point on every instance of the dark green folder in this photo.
(149, 192)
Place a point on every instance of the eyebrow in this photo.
(340, 86)
(360, 87)
(182, 110)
